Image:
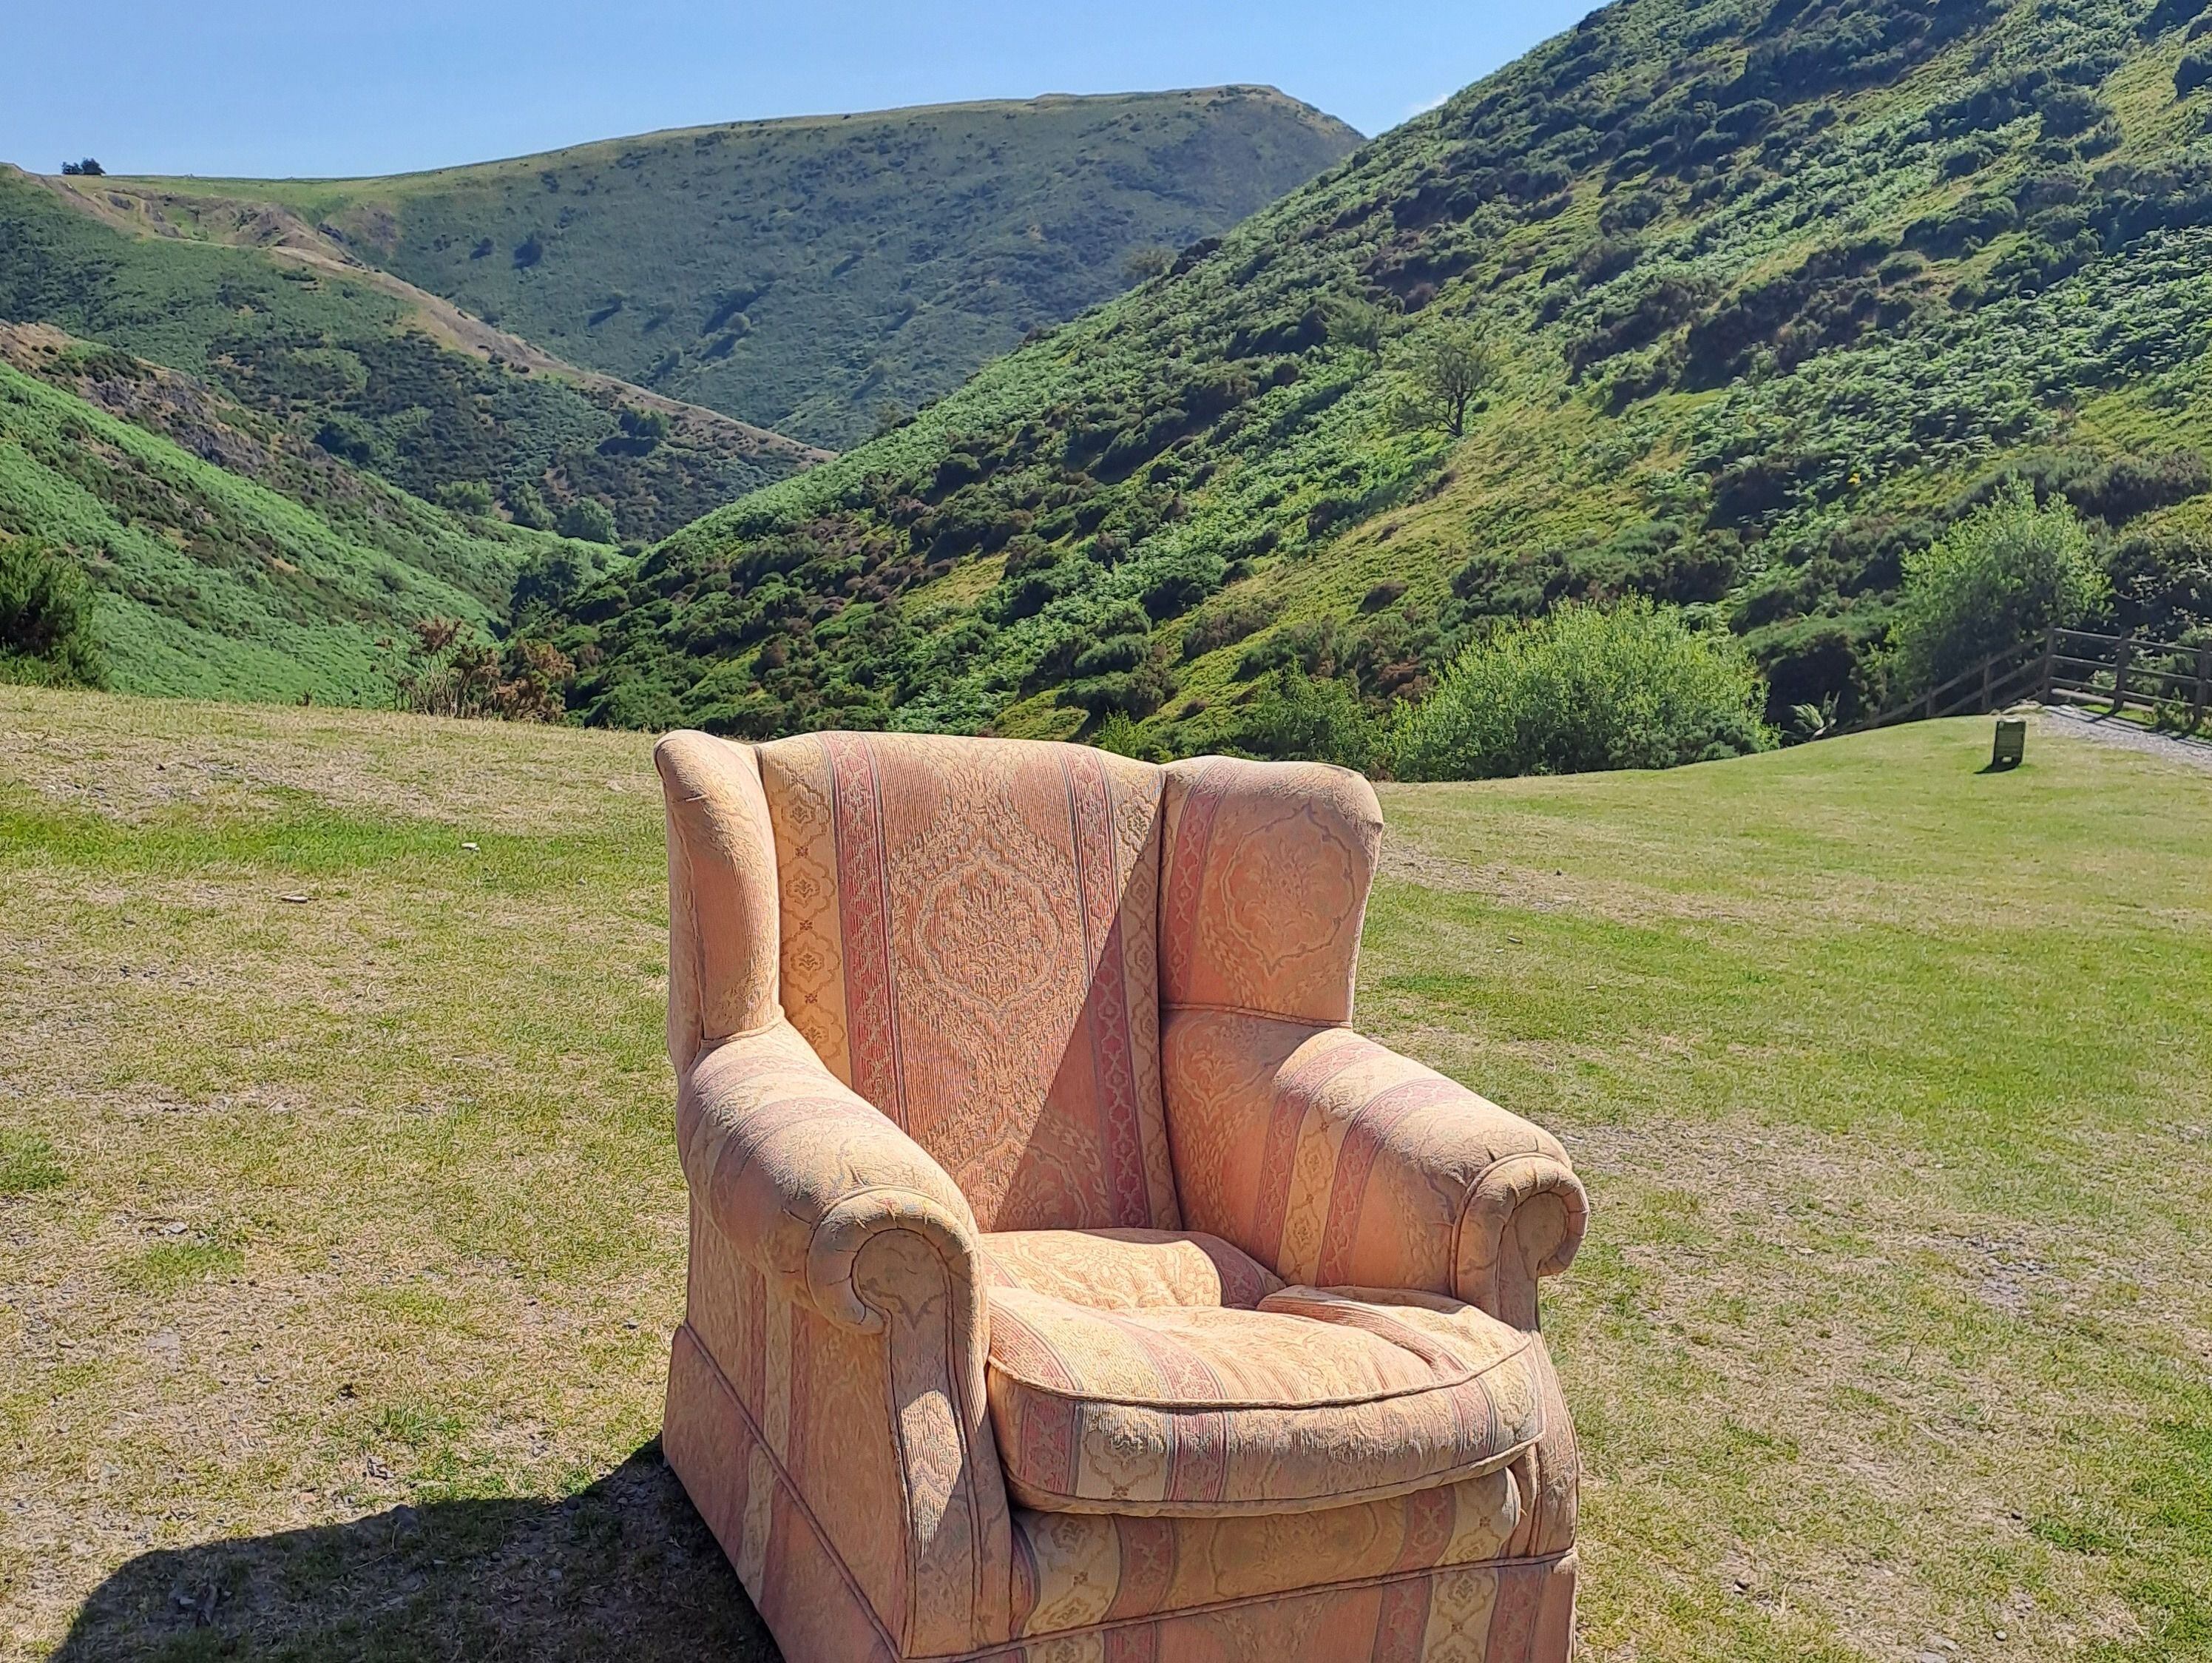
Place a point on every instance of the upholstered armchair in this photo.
(1068, 1282)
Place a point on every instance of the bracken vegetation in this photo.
(1771, 296)
(353, 372)
(278, 576)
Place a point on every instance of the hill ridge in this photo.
(803, 272)
(822, 117)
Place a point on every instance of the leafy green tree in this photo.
(1355, 323)
(1447, 369)
(1584, 690)
(2001, 576)
(46, 618)
(525, 505)
(588, 521)
(547, 578)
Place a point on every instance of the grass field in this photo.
(341, 1229)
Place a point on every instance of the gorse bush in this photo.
(46, 618)
(2001, 576)
(1582, 690)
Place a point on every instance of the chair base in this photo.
(1521, 1611)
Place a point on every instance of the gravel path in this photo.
(2108, 730)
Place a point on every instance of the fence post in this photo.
(2120, 673)
(1988, 664)
(2050, 662)
(2204, 688)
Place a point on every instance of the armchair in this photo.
(1067, 1282)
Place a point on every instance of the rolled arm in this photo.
(802, 1176)
(1339, 1162)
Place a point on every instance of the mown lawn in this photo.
(340, 1228)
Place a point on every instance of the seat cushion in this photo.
(1210, 1389)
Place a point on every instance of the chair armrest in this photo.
(1337, 1162)
(802, 1175)
(851, 1226)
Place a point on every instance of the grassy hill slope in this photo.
(379, 374)
(1774, 288)
(802, 273)
(239, 568)
(1890, 1081)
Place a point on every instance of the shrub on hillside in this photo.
(449, 674)
(588, 521)
(1581, 690)
(1293, 715)
(46, 618)
(2001, 576)
(464, 497)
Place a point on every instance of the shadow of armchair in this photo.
(621, 1568)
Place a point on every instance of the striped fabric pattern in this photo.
(1075, 1569)
(970, 941)
(1128, 1269)
(1332, 1160)
(1515, 1611)
(1265, 885)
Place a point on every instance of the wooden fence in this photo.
(2121, 674)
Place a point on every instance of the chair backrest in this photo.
(969, 937)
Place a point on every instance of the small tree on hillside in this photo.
(87, 168)
(1355, 323)
(1142, 264)
(46, 618)
(2001, 576)
(1447, 368)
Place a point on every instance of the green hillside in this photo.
(804, 274)
(209, 583)
(352, 361)
(1772, 290)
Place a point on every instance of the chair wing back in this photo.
(722, 907)
(1268, 869)
(967, 936)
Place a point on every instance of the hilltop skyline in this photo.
(427, 86)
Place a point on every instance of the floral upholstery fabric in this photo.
(969, 940)
(1128, 1269)
(1311, 1398)
(966, 1033)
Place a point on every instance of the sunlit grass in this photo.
(335, 1177)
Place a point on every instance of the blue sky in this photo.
(253, 87)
